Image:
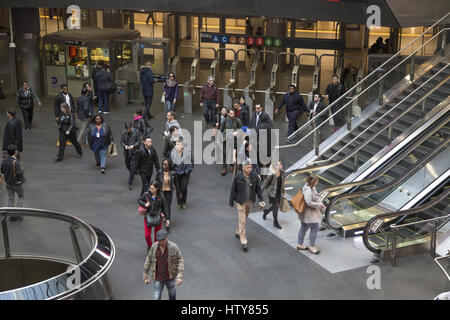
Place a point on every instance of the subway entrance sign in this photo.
(272, 41)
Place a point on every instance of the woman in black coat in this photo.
(25, 100)
(166, 180)
(67, 131)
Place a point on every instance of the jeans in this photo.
(12, 190)
(82, 131)
(171, 287)
(63, 137)
(170, 106)
(103, 100)
(148, 103)
(130, 164)
(27, 117)
(100, 156)
(312, 235)
(209, 111)
(181, 183)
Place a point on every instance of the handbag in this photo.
(112, 88)
(298, 202)
(112, 150)
(284, 205)
(153, 218)
(163, 99)
(142, 210)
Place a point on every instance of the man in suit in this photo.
(13, 133)
(63, 97)
(261, 121)
(315, 107)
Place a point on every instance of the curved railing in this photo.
(61, 238)
(377, 222)
(377, 77)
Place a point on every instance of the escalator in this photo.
(362, 143)
(413, 226)
(349, 212)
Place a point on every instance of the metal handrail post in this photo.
(413, 67)
(394, 247)
(6, 237)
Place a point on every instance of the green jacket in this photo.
(270, 183)
(175, 261)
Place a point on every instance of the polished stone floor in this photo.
(215, 265)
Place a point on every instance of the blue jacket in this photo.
(293, 102)
(103, 79)
(147, 81)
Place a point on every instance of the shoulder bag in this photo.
(298, 202)
(17, 179)
(153, 216)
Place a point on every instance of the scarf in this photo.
(137, 118)
(171, 83)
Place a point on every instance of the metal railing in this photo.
(377, 222)
(97, 259)
(380, 81)
(446, 272)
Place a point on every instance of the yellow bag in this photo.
(68, 143)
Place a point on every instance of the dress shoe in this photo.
(130, 187)
(224, 172)
(245, 247)
(102, 170)
(277, 225)
(57, 160)
(266, 212)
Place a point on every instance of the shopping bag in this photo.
(112, 150)
(284, 205)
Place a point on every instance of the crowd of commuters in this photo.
(166, 175)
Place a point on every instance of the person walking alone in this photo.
(130, 142)
(274, 184)
(333, 92)
(25, 100)
(99, 137)
(67, 131)
(209, 101)
(85, 112)
(12, 172)
(295, 107)
(147, 81)
(12, 133)
(182, 164)
(167, 264)
(246, 185)
(104, 83)
(146, 158)
(170, 92)
(312, 216)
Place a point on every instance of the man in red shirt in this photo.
(167, 264)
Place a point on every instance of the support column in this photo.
(222, 29)
(27, 39)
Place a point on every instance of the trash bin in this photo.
(121, 94)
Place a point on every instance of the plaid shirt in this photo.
(162, 265)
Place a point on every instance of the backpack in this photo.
(298, 202)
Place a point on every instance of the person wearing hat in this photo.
(246, 185)
(210, 100)
(167, 264)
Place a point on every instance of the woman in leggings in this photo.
(274, 184)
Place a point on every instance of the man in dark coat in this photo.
(315, 107)
(63, 97)
(333, 92)
(295, 107)
(13, 132)
(146, 158)
(147, 81)
(261, 121)
(25, 100)
(104, 82)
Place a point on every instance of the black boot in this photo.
(277, 225)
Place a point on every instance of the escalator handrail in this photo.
(375, 134)
(402, 154)
(346, 94)
(404, 177)
(393, 108)
(399, 213)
